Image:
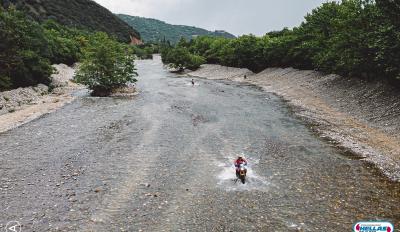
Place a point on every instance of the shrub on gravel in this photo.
(106, 65)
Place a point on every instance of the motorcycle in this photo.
(242, 172)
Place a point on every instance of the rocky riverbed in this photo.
(162, 161)
(23, 105)
(359, 116)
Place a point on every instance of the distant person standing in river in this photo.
(192, 82)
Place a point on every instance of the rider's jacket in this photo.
(240, 161)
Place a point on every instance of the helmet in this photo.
(240, 157)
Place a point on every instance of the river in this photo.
(162, 161)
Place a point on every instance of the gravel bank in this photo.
(23, 105)
(361, 117)
(218, 72)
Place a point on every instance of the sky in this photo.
(235, 16)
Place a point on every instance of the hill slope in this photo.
(156, 30)
(77, 13)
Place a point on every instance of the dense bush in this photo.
(23, 51)
(64, 43)
(387, 37)
(106, 65)
(146, 51)
(351, 38)
(180, 58)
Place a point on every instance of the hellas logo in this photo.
(373, 227)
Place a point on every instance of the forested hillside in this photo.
(83, 14)
(28, 48)
(153, 30)
(354, 38)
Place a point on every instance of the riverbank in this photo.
(23, 105)
(83, 158)
(358, 116)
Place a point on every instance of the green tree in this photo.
(183, 43)
(387, 37)
(390, 10)
(355, 38)
(64, 43)
(195, 62)
(145, 51)
(23, 49)
(201, 45)
(106, 65)
(248, 53)
(181, 58)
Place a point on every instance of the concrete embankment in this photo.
(359, 116)
(23, 105)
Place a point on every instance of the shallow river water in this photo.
(163, 162)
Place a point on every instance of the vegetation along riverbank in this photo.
(357, 108)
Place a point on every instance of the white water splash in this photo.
(190, 84)
(227, 176)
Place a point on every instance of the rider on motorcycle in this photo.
(240, 160)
